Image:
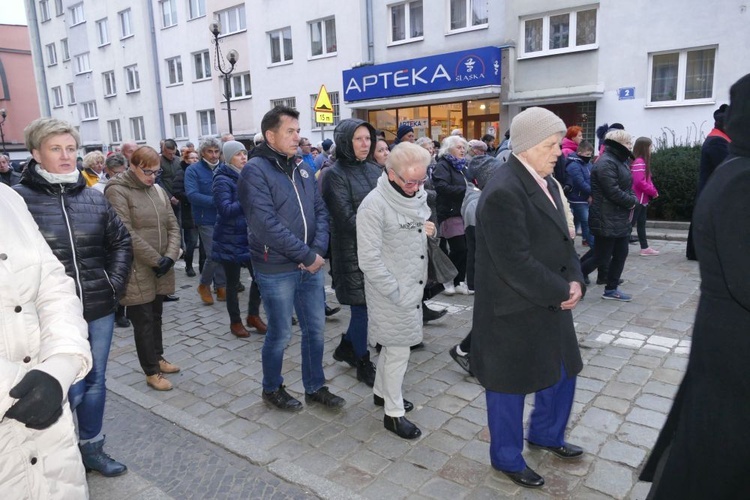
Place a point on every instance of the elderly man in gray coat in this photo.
(392, 231)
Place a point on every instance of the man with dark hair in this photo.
(8, 175)
(115, 164)
(288, 223)
(170, 163)
(489, 139)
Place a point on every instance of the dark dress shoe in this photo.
(418, 346)
(238, 330)
(282, 400)
(330, 311)
(344, 352)
(190, 272)
(240, 288)
(323, 396)
(401, 427)
(526, 478)
(431, 314)
(171, 298)
(408, 406)
(122, 322)
(565, 451)
(586, 280)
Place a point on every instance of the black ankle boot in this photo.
(401, 427)
(366, 370)
(345, 352)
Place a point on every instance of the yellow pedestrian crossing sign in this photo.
(323, 107)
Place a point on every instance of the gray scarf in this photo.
(69, 178)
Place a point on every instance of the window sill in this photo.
(197, 17)
(235, 99)
(680, 104)
(557, 52)
(57, 107)
(84, 72)
(72, 103)
(405, 41)
(208, 79)
(90, 119)
(47, 20)
(167, 27)
(177, 84)
(109, 96)
(127, 92)
(466, 30)
(103, 45)
(282, 63)
(323, 56)
(126, 37)
(66, 60)
(77, 24)
(232, 33)
(50, 65)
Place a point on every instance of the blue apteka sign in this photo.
(455, 70)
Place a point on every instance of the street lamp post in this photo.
(3, 114)
(232, 57)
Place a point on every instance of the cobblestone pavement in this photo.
(635, 355)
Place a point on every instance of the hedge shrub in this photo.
(675, 173)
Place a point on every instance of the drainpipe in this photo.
(36, 47)
(157, 74)
(370, 34)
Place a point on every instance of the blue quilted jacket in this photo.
(230, 230)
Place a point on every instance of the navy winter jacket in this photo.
(286, 215)
(578, 177)
(198, 180)
(230, 231)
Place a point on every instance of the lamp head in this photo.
(3, 113)
(215, 28)
(232, 57)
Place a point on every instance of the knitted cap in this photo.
(231, 148)
(327, 143)
(402, 131)
(533, 125)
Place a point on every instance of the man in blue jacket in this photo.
(198, 181)
(288, 226)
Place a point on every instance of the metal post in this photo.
(232, 56)
(3, 115)
(228, 96)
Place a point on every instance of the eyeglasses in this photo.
(150, 172)
(409, 184)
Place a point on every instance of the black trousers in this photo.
(232, 271)
(456, 250)
(146, 320)
(608, 250)
(639, 221)
(471, 245)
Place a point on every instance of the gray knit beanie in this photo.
(533, 125)
(231, 148)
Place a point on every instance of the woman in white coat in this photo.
(43, 351)
(392, 231)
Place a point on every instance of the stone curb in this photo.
(323, 488)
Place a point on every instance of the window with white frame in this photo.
(132, 79)
(138, 129)
(57, 99)
(65, 50)
(108, 81)
(88, 111)
(168, 13)
(51, 54)
(289, 102)
(174, 70)
(207, 121)
(126, 28)
(281, 45)
(71, 94)
(406, 22)
(82, 63)
(685, 76)
(334, 96)
(232, 19)
(196, 8)
(59, 11)
(467, 14)
(240, 86)
(559, 33)
(76, 14)
(323, 37)
(202, 64)
(115, 133)
(44, 11)
(102, 32)
(180, 125)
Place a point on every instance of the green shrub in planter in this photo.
(675, 174)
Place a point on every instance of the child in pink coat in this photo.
(644, 190)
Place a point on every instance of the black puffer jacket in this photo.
(345, 185)
(612, 192)
(85, 234)
(450, 186)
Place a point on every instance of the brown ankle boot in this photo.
(221, 294)
(257, 323)
(205, 292)
(238, 330)
(158, 382)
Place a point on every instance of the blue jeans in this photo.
(212, 270)
(357, 331)
(283, 293)
(87, 396)
(581, 217)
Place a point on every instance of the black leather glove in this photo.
(163, 267)
(39, 403)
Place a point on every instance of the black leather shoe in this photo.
(240, 288)
(122, 322)
(566, 451)
(171, 298)
(366, 370)
(330, 311)
(324, 397)
(431, 314)
(282, 400)
(461, 359)
(408, 406)
(190, 272)
(526, 478)
(401, 427)
(345, 352)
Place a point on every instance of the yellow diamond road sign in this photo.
(323, 107)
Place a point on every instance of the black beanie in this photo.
(719, 116)
(737, 117)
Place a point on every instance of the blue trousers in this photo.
(547, 424)
(357, 331)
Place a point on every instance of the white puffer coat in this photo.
(392, 253)
(41, 327)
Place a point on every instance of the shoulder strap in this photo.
(162, 194)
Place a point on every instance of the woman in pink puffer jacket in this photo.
(644, 190)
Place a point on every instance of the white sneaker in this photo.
(463, 288)
(449, 289)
